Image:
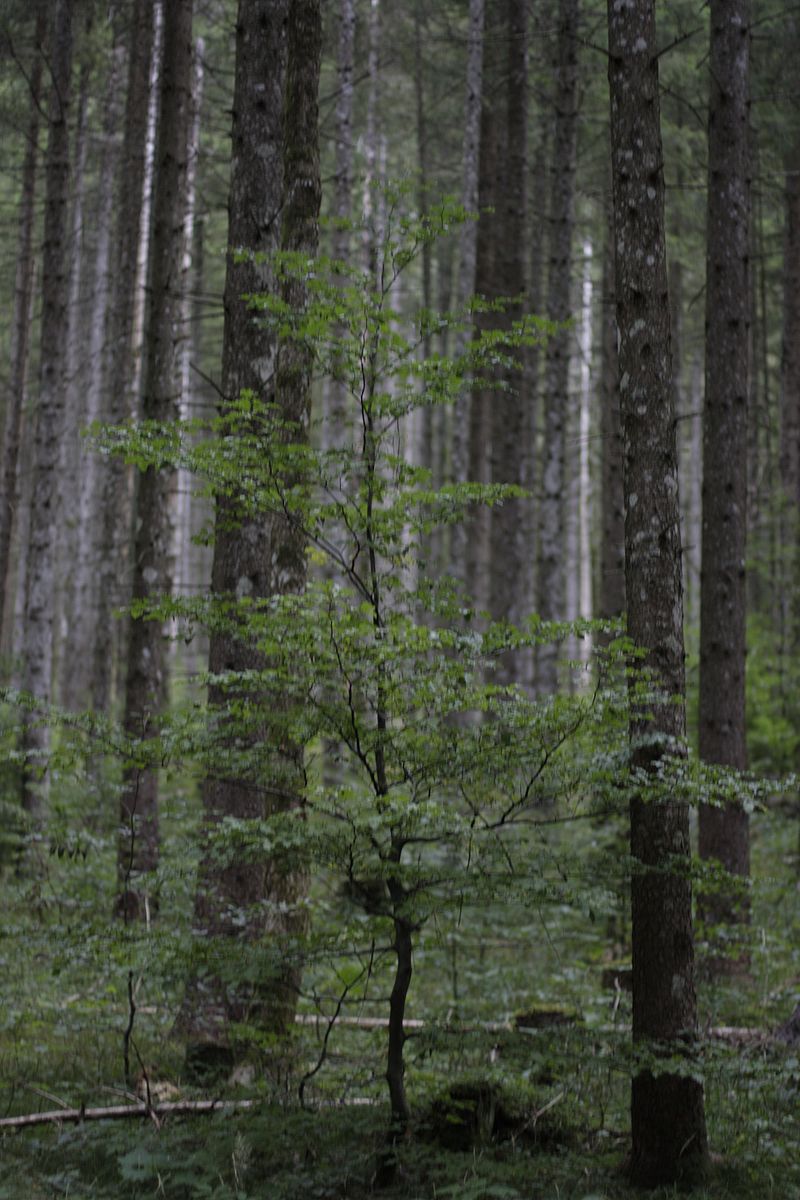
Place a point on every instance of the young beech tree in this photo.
(667, 1109)
(369, 659)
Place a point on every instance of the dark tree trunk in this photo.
(146, 684)
(667, 1109)
(113, 536)
(551, 577)
(37, 642)
(487, 266)
(20, 322)
(466, 285)
(724, 834)
(275, 166)
(508, 426)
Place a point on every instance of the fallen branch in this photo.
(115, 1112)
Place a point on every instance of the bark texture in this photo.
(507, 571)
(274, 165)
(667, 1109)
(126, 236)
(20, 321)
(724, 834)
(146, 683)
(790, 358)
(37, 647)
(466, 266)
(561, 221)
(611, 600)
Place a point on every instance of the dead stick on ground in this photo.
(118, 1111)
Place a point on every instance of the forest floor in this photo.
(503, 1107)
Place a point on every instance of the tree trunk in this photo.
(230, 898)
(146, 684)
(667, 1109)
(466, 265)
(724, 834)
(490, 191)
(561, 220)
(611, 601)
(20, 322)
(507, 573)
(335, 418)
(37, 644)
(113, 536)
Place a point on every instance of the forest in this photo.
(399, 599)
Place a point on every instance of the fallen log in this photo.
(115, 1112)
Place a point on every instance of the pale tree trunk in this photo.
(507, 573)
(37, 642)
(20, 328)
(335, 418)
(185, 499)
(128, 230)
(584, 445)
(611, 599)
(146, 685)
(230, 900)
(724, 832)
(561, 220)
(84, 602)
(667, 1109)
(76, 374)
(466, 284)
(372, 211)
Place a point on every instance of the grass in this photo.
(65, 969)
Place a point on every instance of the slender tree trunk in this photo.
(486, 286)
(507, 567)
(667, 1109)
(20, 323)
(466, 285)
(184, 492)
(335, 432)
(76, 375)
(112, 550)
(611, 600)
(37, 648)
(724, 834)
(561, 220)
(146, 685)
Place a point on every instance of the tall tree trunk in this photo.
(335, 416)
(561, 220)
(507, 572)
(184, 491)
(724, 834)
(230, 898)
(611, 600)
(37, 648)
(146, 684)
(466, 265)
(667, 1109)
(77, 654)
(76, 375)
(20, 322)
(112, 550)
